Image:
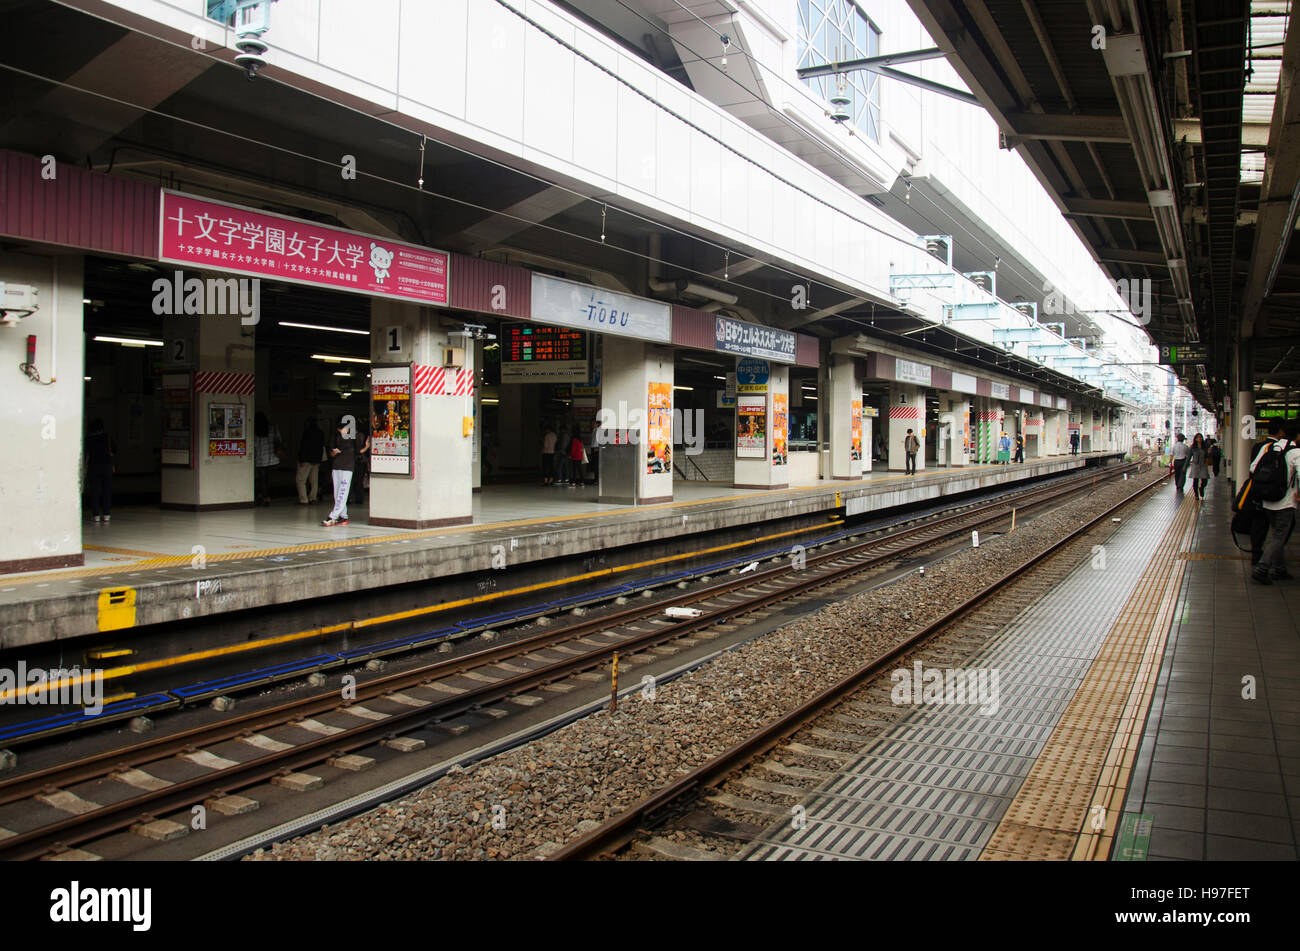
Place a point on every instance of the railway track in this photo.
(702, 801)
(132, 788)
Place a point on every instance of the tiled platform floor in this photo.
(1219, 774)
(139, 533)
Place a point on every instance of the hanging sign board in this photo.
(570, 304)
(217, 236)
(736, 336)
(905, 371)
(533, 353)
(1001, 391)
(390, 420)
(751, 375)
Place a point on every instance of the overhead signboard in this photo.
(1175, 353)
(736, 336)
(197, 232)
(1000, 391)
(963, 383)
(570, 304)
(751, 375)
(905, 371)
(534, 353)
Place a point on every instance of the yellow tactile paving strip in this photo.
(155, 560)
(1070, 804)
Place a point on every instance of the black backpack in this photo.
(1271, 479)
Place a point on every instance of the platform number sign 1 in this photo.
(393, 339)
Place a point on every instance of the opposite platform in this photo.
(260, 557)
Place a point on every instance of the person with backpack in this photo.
(1274, 477)
(911, 445)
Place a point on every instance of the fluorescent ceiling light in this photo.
(85, 300)
(491, 401)
(330, 358)
(85, 378)
(689, 388)
(130, 341)
(722, 378)
(337, 330)
(342, 372)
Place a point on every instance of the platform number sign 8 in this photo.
(393, 339)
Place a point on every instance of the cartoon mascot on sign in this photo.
(381, 259)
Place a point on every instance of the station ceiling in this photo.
(1174, 152)
(92, 92)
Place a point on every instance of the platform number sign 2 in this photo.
(393, 339)
(178, 351)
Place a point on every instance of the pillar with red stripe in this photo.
(906, 411)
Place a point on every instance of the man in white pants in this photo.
(343, 451)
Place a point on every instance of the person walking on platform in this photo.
(1275, 480)
(343, 453)
(548, 455)
(1004, 449)
(1074, 443)
(1180, 453)
(1216, 455)
(1020, 448)
(310, 450)
(1197, 467)
(911, 445)
(99, 471)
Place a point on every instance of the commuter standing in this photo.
(343, 453)
(576, 455)
(310, 450)
(911, 445)
(1216, 455)
(548, 455)
(1020, 448)
(562, 456)
(1259, 517)
(360, 467)
(1004, 449)
(99, 471)
(1280, 512)
(1197, 467)
(1180, 453)
(1074, 443)
(267, 450)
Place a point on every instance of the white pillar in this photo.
(955, 410)
(850, 432)
(220, 475)
(771, 469)
(906, 411)
(634, 373)
(439, 490)
(40, 507)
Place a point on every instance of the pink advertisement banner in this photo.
(203, 233)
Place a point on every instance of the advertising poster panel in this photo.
(226, 430)
(780, 425)
(751, 426)
(178, 425)
(660, 429)
(855, 430)
(390, 420)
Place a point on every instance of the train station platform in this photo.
(149, 566)
(1147, 709)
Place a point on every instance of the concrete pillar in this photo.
(954, 410)
(770, 470)
(987, 430)
(906, 411)
(220, 475)
(40, 507)
(439, 489)
(850, 431)
(476, 447)
(1035, 433)
(632, 372)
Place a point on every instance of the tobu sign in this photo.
(209, 234)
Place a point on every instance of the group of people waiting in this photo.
(1271, 519)
(343, 450)
(565, 454)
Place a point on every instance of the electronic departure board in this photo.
(536, 353)
(535, 342)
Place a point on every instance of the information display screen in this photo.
(538, 353)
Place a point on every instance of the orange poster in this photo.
(855, 430)
(659, 456)
(780, 427)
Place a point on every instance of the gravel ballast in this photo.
(526, 803)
